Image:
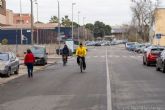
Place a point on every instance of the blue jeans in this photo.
(30, 69)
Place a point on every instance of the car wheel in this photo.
(8, 73)
(163, 69)
(17, 71)
(147, 63)
(157, 68)
(144, 62)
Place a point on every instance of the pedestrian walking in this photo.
(29, 62)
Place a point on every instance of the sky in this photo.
(111, 12)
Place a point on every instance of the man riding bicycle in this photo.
(65, 52)
(81, 53)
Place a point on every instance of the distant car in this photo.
(40, 55)
(130, 45)
(160, 62)
(98, 44)
(9, 63)
(151, 55)
(139, 47)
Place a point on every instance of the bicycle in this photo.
(64, 60)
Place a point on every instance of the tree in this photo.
(66, 21)
(99, 29)
(108, 30)
(89, 26)
(143, 16)
(53, 19)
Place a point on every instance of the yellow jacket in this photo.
(81, 51)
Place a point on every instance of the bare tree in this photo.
(143, 16)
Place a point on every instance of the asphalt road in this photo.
(132, 85)
(60, 88)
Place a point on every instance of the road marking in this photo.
(109, 100)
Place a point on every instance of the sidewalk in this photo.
(52, 59)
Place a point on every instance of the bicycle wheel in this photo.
(81, 65)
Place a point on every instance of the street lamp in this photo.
(78, 27)
(21, 21)
(84, 26)
(37, 21)
(32, 22)
(59, 37)
(72, 19)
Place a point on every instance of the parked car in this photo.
(138, 48)
(130, 45)
(9, 63)
(160, 62)
(40, 55)
(144, 48)
(151, 55)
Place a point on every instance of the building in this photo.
(2, 12)
(25, 18)
(118, 32)
(159, 27)
(47, 33)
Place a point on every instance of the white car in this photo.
(9, 63)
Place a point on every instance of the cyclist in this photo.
(65, 52)
(81, 53)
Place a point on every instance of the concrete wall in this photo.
(51, 49)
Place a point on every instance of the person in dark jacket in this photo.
(65, 52)
(29, 62)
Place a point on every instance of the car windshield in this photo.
(4, 56)
(37, 50)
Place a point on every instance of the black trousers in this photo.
(83, 60)
(30, 69)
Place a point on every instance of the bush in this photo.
(4, 41)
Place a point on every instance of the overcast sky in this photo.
(112, 12)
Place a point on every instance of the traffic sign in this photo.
(158, 36)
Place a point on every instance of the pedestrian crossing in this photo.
(115, 56)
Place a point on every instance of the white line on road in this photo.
(109, 100)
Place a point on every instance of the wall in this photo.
(159, 26)
(22, 48)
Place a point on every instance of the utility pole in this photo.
(21, 21)
(78, 27)
(59, 25)
(37, 22)
(72, 19)
(32, 23)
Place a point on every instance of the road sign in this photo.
(158, 36)
(70, 44)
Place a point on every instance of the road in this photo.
(60, 88)
(132, 85)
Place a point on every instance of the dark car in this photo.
(151, 55)
(40, 55)
(160, 62)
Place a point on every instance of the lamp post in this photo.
(37, 21)
(59, 37)
(72, 18)
(84, 26)
(78, 27)
(21, 21)
(32, 22)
